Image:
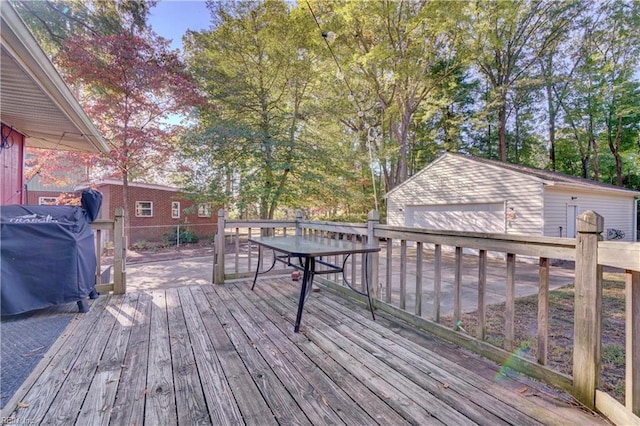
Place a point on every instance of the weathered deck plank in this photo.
(190, 400)
(283, 407)
(227, 355)
(306, 396)
(223, 408)
(101, 396)
(330, 394)
(420, 405)
(58, 366)
(362, 396)
(160, 404)
(252, 405)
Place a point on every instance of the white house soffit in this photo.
(35, 100)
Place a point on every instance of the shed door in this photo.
(572, 215)
(476, 217)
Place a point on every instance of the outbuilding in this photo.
(470, 194)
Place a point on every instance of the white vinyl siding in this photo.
(456, 181)
(616, 210)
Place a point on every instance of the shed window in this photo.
(175, 209)
(144, 209)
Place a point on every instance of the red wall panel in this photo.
(11, 167)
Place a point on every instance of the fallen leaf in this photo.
(522, 390)
(446, 385)
(22, 404)
(324, 401)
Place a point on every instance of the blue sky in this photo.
(172, 18)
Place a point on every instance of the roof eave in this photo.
(18, 41)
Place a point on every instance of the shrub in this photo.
(140, 245)
(187, 236)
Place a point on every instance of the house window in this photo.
(204, 210)
(144, 209)
(175, 209)
(47, 201)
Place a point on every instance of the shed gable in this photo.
(467, 194)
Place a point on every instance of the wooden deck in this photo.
(226, 355)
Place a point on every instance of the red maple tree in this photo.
(130, 85)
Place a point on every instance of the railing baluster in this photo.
(457, 289)
(543, 310)
(437, 282)
(509, 310)
(98, 256)
(418, 309)
(249, 250)
(237, 253)
(403, 274)
(589, 262)
(353, 264)
(482, 289)
(389, 269)
(632, 312)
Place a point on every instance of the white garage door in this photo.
(477, 217)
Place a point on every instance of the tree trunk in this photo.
(615, 150)
(594, 149)
(502, 131)
(125, 208)
(552, 126)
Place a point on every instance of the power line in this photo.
(325, 36)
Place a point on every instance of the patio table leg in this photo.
(307, 283)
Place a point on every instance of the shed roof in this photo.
(35, 100)
(546, 177)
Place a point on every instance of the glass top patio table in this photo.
(310, 251)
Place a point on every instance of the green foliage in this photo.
(140, 245)
(613, 354)
(327, 105)
(54, 21)
(187, 236)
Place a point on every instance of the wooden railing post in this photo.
(587, 325)
(218, 258)
(373, 219)
(298, 219)
(119, 254)
(632, 313)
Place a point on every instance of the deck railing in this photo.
(110, 233)
(413, 264)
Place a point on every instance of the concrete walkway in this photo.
(198, 271)
(169, 273)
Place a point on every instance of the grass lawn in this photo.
(560, 345)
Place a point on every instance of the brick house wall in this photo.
(158, 222)
(156, 227)
(37, 197)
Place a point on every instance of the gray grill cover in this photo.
(48, 254)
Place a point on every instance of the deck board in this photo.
(160, 402)
(228, 355)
